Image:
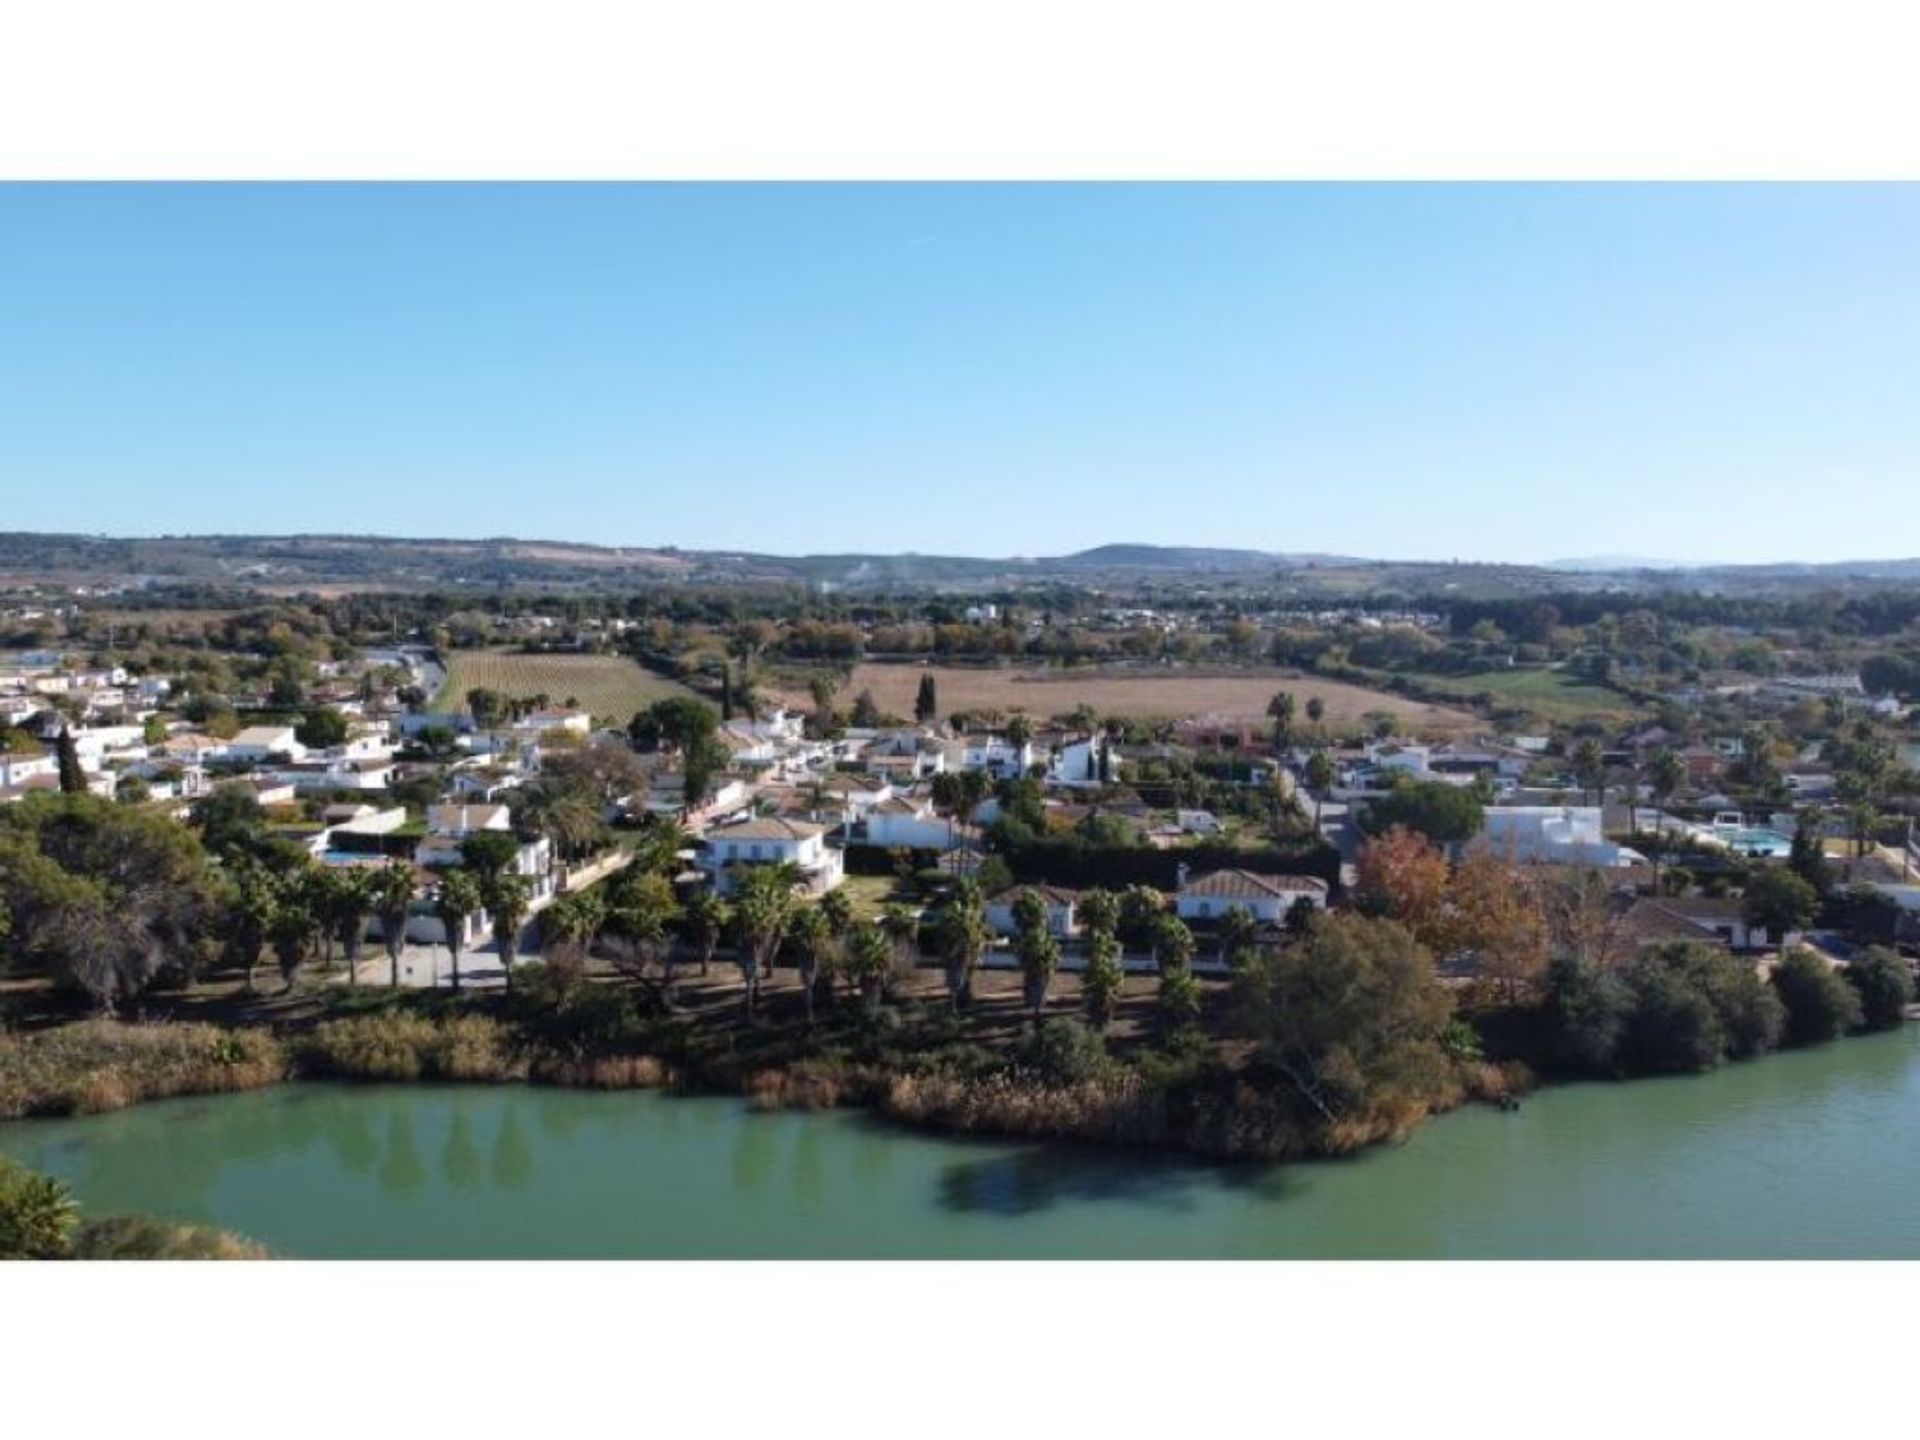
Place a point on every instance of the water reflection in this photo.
(1039, 1178)
(401, 1172)
(460, 1162)
(512, 1160)
(350, 1137)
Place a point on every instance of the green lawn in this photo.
(870, 894)
(1551, 694)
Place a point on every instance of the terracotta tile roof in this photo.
(770, 827)
(1245, 885)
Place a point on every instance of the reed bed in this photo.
(100, 1065)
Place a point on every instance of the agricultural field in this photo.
(610, 687)
(1550, 694)
(1043, 692)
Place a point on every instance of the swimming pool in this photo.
(1749, 840)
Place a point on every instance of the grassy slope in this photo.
(611, 687)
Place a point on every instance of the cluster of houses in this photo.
(787, 796)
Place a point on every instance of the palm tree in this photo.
(1590, 769)
(353, 898)
(1280, 708)
(811, 937)
(508, 898)
(902, 929)
(704, 920)
(393, 903)
(1098, 910)
(838, 910)
(1103, 978)
(457, 899)
(1319, 780)
(1179, 997)
(1039, 958)
(1238, 930)
(963, 939)
(318, 887)
(763, 905)
(870, 956)
(1316, 710)
(251, 916)
(293, 926)
(1666, 773)
(574, 920)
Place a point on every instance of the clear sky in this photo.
(1514, 373)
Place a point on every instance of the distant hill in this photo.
(1189, 558)
(294, 563)
(1601, 564)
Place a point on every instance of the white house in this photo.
(997, 755)
(1077, 764)
(540, 722)
(1268, 897)
(1197, 822)
(1554, 834)
(998, 910)
(460, 821)
(263, 742)
(911, 823)
(17, 769)
(771, 841)
(337, 774)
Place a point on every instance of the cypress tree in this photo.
(73, 780)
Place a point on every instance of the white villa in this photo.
(771, 841)
(998, 910)
(1558, 834)
(1267, 897)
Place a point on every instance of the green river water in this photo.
(1808, 1154)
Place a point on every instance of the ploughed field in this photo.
(1043, 691)
(610, 687)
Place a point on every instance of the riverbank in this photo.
(986, 1072)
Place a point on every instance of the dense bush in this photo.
(1678, 1007)
(1064, 1052)
(1588, 1009)
(1696, 1005)
(1820, 1004)
(1884, 982)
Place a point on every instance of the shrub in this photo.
(1064, 1052)
(1588, 1010)
(1695, 1005)
(1884, 982)
(37, 1214)
(135, 1237)
(1820, 1004)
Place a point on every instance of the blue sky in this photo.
(1482, 372)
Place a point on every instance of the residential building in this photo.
(1267, 897)
(771, 841)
